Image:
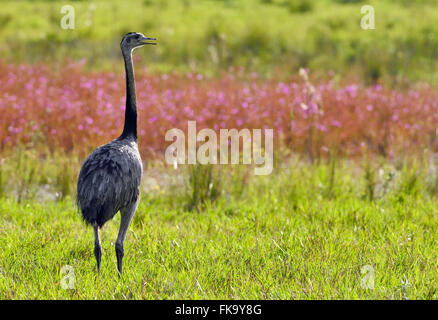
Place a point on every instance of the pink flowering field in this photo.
(75, 110)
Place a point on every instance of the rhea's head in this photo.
(134, 40)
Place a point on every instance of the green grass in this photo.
(304, 232)
(274, 37)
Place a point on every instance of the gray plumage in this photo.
(109, 180)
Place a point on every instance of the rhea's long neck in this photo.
(130, 128)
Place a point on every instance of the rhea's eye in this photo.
(128, 40)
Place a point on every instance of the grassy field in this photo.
(303, 233)
(274, 37)
(349, 211)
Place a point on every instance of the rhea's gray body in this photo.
(109, 180)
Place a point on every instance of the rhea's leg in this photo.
(97, 246)
(126, 216)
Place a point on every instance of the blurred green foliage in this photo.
(273, 37)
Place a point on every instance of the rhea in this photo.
(109, 180)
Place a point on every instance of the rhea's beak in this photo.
(145, 40)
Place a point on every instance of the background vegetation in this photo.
(274, 37)
(355, 180)
(304, 232)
